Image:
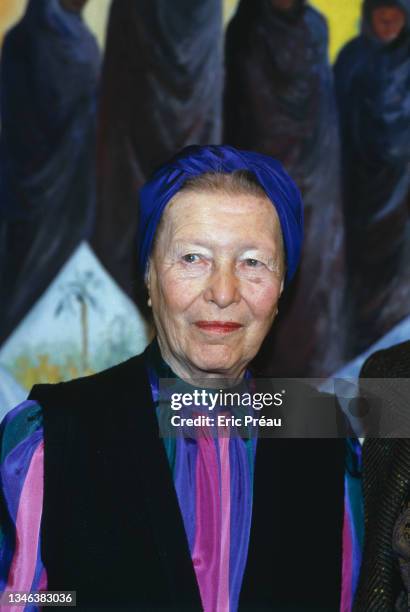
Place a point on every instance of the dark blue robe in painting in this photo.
(373, 88)
(161, 90)
(49, 72)
(279, 100)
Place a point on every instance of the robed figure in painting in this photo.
(280, 101)
(161, 90)
(49, 75)
(373, 87)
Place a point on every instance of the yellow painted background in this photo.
(343, 17)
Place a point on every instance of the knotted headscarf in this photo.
(196, 160)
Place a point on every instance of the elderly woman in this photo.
(95, 501)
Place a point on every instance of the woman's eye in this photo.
(191, 258)
(253, 263)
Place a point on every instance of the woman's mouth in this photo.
(218, 327)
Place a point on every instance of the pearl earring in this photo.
(149, 302)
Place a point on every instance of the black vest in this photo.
(112, 529)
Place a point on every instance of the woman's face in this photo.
(388, 22)
(214, 279)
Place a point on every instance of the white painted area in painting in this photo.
(83, 313)
(399, 333)
(11, 393)
(345, 382)
(96, 14)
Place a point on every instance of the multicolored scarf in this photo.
(213, 478)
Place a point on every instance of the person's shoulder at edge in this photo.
(393, 362)
(126, 372)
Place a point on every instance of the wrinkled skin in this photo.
(220, 261)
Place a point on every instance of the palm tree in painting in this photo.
(78, 294)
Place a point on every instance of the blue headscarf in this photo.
(194, 161)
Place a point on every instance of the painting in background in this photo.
(161, 90)
(343, 18)
(279, 100)
(49, 75)
(82, 324)
(373, 87)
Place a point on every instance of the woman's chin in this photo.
(217, 359)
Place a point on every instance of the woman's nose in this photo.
(223, 286)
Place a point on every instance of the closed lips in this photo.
(218, 325)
